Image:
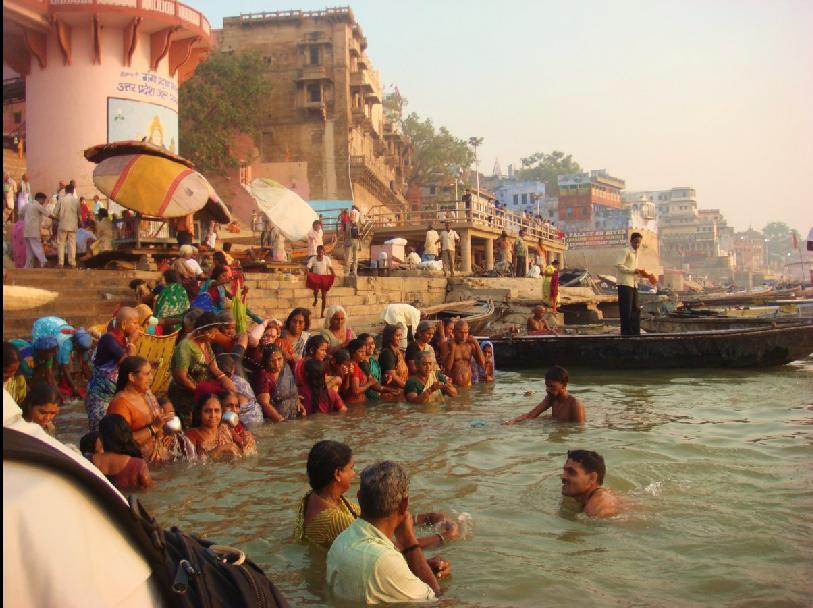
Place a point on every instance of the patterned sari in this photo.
(173, 301)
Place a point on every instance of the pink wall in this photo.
(66, 106)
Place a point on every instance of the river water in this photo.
(715, 466)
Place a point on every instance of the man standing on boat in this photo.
(628, 273)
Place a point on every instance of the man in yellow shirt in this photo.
(628, 273)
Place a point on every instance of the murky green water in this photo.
(716, 465)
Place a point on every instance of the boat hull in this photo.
(714, 349)
(666, 325)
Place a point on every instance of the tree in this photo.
(437, 155)
(778, 242)
(221, 99)
(546, 167)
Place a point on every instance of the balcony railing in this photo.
(477, 214)
(171, 8)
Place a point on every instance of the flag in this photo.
(795, 239)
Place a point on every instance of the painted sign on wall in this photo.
(148, 85)
(128, 119)
(596, 238)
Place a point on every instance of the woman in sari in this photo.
(295, 334)
(394, 369)
(275, 387)
(211, 439)
(315, 348)
(193, 362)
(139, 408)
(421, 343)
(370, 366)
(316, 396)
(189, 270)
(172, 302)
(443, 335)
(338, 332)
(13, 379)
(428, 385)
(120, 459)
(113, 348)
(213, 295)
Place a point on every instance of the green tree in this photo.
(779, 241)
(221, 99)
(546, 167)
(437, 155)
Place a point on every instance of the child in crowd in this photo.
(241, 436)
(564, 407)
(117, 455)
(45, 349)
(13, 379)
(41, 405)
(316, 396)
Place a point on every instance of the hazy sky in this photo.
(713, 94)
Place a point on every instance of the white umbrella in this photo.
(284, 208)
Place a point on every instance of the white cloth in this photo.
(447, 240)
(413, 259)
(317, 267)
(315, 238)
(404, 314)
(67, 555)
(67, 212)
(364, 567)
(430, 246)
(626, 267)
(534, 272)
(193, 266)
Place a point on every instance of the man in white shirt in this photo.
(71, 555)
(363, 565)
(628, 273)
(320, 276)
(430, 246)
(33, 216)
(412, 258)
(68, 213)
(315, 237)
(448, 237)
(84, 238)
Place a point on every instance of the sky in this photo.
(712, 94)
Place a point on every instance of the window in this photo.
(524, 199)
(516, 199)
(314, 93)
(314, 55)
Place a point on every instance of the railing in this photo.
(164, 7)
(475, 213)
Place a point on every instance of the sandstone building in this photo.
(325, 115)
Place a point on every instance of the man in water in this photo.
(582, 479)
(461, 350)
(628, 273)
(564, 406)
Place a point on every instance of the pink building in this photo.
(98, 71)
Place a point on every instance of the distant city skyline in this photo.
(710, 95)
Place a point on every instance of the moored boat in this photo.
(735, 348)
(665, 324)
(477, 313)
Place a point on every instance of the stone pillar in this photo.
(489, 253)
(465, 252)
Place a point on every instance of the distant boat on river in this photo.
(735, 348)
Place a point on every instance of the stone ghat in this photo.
(87, 297)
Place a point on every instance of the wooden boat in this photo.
(675, 323)
(477, 313)
(710, 349)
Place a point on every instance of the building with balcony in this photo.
(325, 112)
(522, 196)
(586, 197)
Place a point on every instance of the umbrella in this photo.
(284, 208)
(153, 182)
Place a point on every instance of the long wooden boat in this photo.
(665, 324)
(710, 349)
(477, 313)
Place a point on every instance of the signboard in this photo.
(129, 119)
(596, 238)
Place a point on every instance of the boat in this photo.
(734, 348)
(477, 313)
(676, 323)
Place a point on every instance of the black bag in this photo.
(354, 231)
(189, 571)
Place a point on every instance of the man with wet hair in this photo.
(564, 406)
(582, 479)
(461, 350)
(364, 565)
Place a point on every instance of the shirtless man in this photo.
(564, 406)
(537, 325)
(461, 350)
(582, 479)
